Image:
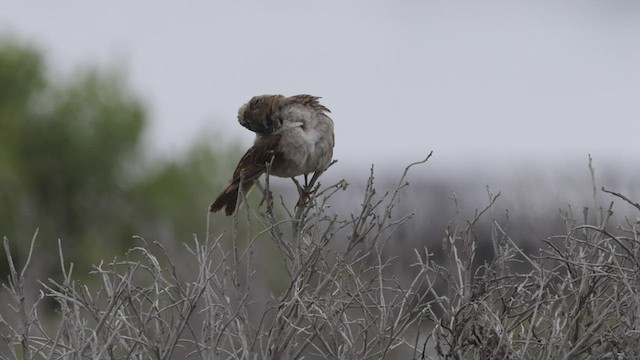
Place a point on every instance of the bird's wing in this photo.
(253, 162)
(310, 101)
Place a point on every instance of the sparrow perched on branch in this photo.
(293, 134)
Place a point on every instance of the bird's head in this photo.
(260, 114)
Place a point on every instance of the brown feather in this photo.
(250, 167)
(228, 199)
(258, 115)
(265, 115)
(311, 101)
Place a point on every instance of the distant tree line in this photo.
(72, 164)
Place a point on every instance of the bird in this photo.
(294, 136)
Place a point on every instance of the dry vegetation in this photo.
(577, 299)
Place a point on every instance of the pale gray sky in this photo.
(476, 81)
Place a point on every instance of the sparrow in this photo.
(293, 134)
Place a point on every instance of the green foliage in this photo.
(64, 148)
(179, 193)
(71, 163)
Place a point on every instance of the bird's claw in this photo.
(304, 192)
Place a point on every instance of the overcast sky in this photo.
(475, 81)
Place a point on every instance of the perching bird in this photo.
(293, 133)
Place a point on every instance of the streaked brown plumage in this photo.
(294, 134)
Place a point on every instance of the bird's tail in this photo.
(228, 199)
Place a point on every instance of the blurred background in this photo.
(119, 118)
